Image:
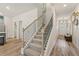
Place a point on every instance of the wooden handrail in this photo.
(31, 23)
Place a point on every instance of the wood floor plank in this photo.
(64, 48)
(11, 48)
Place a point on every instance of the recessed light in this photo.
(8, 7)
(65, 5)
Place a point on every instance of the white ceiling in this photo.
(16, 8)
(63, 11)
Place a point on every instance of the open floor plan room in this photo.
(39, 29)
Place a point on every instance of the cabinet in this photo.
(68, 38)
(2, 38)
(2, 31)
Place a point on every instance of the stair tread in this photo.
(41, 29)
(37, 40)
(31, 52)
(39, 33)
(36, 45)
(38, 36)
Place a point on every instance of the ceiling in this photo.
(13, 9)
(62, 10)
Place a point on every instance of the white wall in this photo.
(75, 32)
(9, 27)
(26, 18)
(48, 13)
(66, 25)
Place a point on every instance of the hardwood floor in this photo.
(64, 48)
(11, 48)
(61, 48)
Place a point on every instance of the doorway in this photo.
(62, 27)
(18, 29)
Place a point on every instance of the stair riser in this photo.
(36, 48)
(31, 52)
(30, 55)
(40, 30)
(39, 33)
(38, 37)
(37, 42)
(27, 54)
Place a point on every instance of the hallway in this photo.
(64, 48)
(40, 27)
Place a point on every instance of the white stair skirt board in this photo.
(35, 47)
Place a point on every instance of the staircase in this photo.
(35, 47)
